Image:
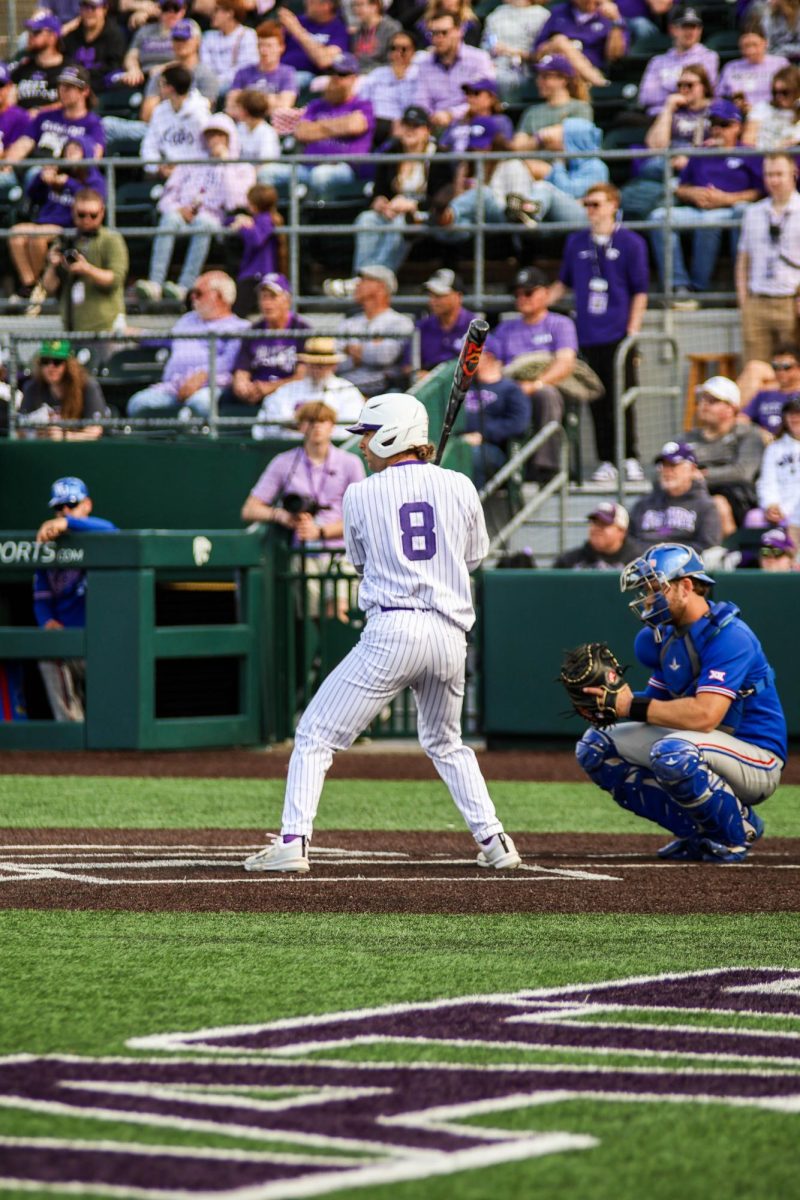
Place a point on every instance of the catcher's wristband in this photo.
(638, 709)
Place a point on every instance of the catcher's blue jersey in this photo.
(721, 654)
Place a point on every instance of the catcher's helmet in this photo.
(400, 421)
(651, 574)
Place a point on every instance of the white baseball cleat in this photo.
(500, 853)
(291, 857)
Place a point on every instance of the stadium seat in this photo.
(119, 102)
(622, 137)
(127, 370)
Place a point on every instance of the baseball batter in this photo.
(706, 740)
(413, 532)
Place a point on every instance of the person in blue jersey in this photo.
(705, 741)
(59, 595)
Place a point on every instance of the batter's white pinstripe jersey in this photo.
(417, 531)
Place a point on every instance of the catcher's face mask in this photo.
(650, 603)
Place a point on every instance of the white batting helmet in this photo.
(398, 420)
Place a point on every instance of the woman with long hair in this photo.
(771, 126)
(61, 389)
(781, 23)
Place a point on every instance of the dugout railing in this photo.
(298, 208)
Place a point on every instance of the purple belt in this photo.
(402, 608)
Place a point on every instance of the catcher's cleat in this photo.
(687, 849)
(717, 852)
(753, 823)
(290, 857)
(500, 853)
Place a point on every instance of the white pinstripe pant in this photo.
(398, 649)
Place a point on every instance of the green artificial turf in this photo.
(85, 982)
(122, 803)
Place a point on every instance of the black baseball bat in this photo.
(463, 376)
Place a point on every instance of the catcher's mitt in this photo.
(593, 665)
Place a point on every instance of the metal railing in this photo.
(513, 468)
(625, 397)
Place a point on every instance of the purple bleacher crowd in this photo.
(216, 98)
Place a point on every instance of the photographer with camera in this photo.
(88, 269)
(303, 490)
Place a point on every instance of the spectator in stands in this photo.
(765, 410)
(261, 252)
(175, 131)
(391, 90)
(750, 77)
(36, 73)
(186, 53)
(682, 122)
(370, 39)
(442, 331)
(270, 74)
(314, 40)
(151, 45)
(228, 45)
(462, 13)
(728, 453)
(608, 546)
(315, 470)
(679, 508)
(444, 69)
(96, 44)
(535, 189)
(781, 21)
(319, 384)
(496, 411)
(777, 551)
(509, 33)
(768, 261)
(374, 362)
(607, 268)
(590, 34)
(91, 277)
(778, 487)
(258, 141)
(51, 190)
(14, 123)
(403, 194)
(184, 388)
(59, 596)
(563, 94)
(199, 196)
(262, 365)
(776, 123)
(60, 389)
(538, 331)
(663, 71)
(711, 190)
(337, 125)
(51, 128)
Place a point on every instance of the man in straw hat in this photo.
(320, 384)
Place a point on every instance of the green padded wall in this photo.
(530, 617)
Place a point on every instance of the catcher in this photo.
(706, 740)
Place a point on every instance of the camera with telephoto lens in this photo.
(296, 503)
(66, 244)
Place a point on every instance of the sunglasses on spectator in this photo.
(593, 204)
(784, 366)
(52, 362)
(400, 47)
(773, 552)
(779, 91)
(525, 291)
(439, 32)
(87, 216)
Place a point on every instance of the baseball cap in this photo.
(721, 389)
(76, 76)
(276, 283)
(778, 539)
(43, 20)
(684, 14)
(415, 115)
(345, 64)
(485, 84)
(384, 275)
(184, 30)
(68, 490)
(442, 282)
(5, 75)
(55, 348)
(531, 277)
(608, 512)
(724, 110)
(94, 3)
(558, 63)
(675, 452)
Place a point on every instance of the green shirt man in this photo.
(90, 272)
